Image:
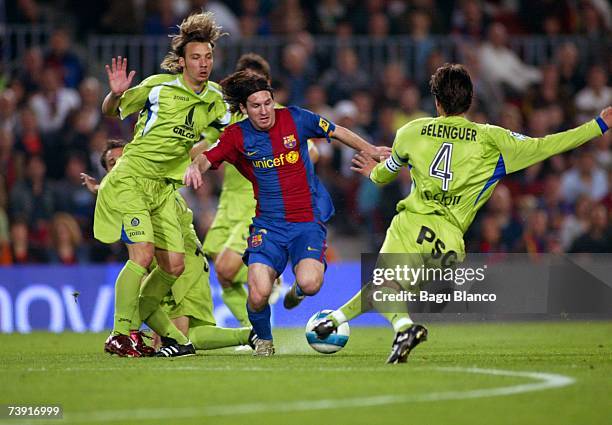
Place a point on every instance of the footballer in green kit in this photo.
(189, 303)
(136, 201)
(455, 165)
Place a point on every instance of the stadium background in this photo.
(538, 67)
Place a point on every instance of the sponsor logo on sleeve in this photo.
(324, 124)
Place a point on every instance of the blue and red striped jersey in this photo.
(276, 162)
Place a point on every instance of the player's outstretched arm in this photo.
(519, 152)
(193, 174)
(119, 81)
(347, 137)
(90, 183)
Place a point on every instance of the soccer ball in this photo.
(333, 343)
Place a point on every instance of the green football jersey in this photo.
(172, 118)
(455, 164)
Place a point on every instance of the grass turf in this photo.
(299, 386)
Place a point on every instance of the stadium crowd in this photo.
(52, 129)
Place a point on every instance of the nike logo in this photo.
(251, 153)
(311, 249)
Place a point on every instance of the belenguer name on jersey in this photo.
(455, 164)
(172, 117)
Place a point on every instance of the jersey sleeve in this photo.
(134, 99)
(226, 149)
(385, 172)
(519, 151)
(314, 125)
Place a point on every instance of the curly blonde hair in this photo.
(199, 27)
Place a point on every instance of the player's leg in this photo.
(260, 279)
(307, 251)
(232, 275)
(122, 214)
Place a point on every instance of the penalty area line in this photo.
(542, 381)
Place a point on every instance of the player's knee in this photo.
(257, 301)
(309, 285)
(175, 267)
(225, 273)
(143, 258)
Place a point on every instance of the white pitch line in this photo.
(544, 381)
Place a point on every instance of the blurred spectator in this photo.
(536, 240)
(224, 16)
(298, 75)
(346, 77)
(584, 178)
(538, 13)
(366, 117)
(31, 70)
(65, 62)
(598, 238)
(22, 252)
(327, 14)
(594, 18)
(287, 18)
(390, 84)
(409, 107)
(251, 15)
(66, 240)
(71, 196)
(378, 26)
(23, 12)
(29, 139)
(499, 208)
(488, 97)
(502, 66)
(54, 103)
(121, 17)
(577, 223)
(595, 96)
(490, 236)
(8, 110)
(511, 118)
(316, 101)
(32, 198)
(11, 161)
(570, 77)
(161, 18)
(469, 19)
(420, 27)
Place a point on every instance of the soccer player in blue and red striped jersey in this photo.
(270, 149)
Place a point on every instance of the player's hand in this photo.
(381, 153)
(193, 176)
(90, 183)
(606, 115)
(363, 164)
(118, 79)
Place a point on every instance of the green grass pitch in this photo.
(479, 373)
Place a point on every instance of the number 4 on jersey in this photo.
(441, 165)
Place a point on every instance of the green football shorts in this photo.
(230, 228)
(427, 240)
(137, 210)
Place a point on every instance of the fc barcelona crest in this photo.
(256, 240)
(289, 141)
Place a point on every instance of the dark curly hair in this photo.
(110, 145)
(452, 87)
(240, 85)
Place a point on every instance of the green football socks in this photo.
(159, 322)
(127, 289)
(154, 288)
(209, 337)
(235, 298)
